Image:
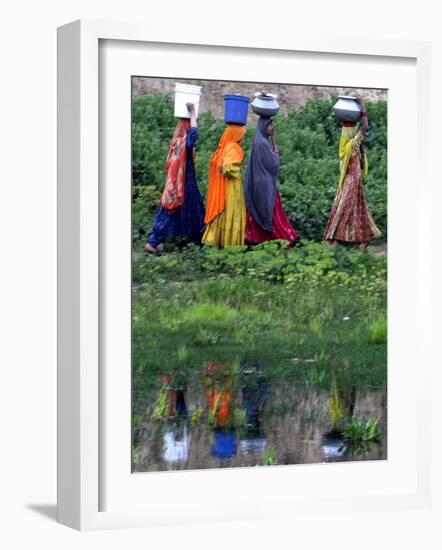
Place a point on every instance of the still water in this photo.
(223, 423)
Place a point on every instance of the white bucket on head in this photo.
(186, 93)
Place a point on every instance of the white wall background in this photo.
(28, 265)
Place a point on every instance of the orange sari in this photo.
(228, 152)
(173, 194)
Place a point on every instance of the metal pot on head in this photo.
(265, 105)
(347, 109)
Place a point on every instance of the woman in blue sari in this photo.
(182, 209)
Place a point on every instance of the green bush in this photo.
(308, 141)
(378, 330)
(311, 266)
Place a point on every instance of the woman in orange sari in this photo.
(225, 208)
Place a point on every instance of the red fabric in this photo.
(281, 227)
(350, 219)
(173, 194)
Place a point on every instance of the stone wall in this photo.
(289, 95)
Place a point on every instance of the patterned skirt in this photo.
(350, 218)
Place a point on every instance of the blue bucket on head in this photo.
(236, 108)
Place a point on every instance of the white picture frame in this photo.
(81, 471)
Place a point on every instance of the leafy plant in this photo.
(378, 330)
(207, 337)
(160, 409)
(269, 458)
(361, 435)
(183, 354)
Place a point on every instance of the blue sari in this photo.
(188, 219)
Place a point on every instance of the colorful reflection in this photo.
(231, 415)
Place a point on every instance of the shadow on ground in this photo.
(48, 511)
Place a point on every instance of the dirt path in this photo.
(378, 249)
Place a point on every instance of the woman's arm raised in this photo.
(364, 119)
(191, 109)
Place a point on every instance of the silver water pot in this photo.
(347, 109)
(265, 104)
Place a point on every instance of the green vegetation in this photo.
(304, 313)
(364, 431)
(270, 456)
(378, 330)
(360, 436)
(308, 141)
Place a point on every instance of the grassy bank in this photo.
(307, 315)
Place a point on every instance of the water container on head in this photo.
(236, 108)
(347, 109)
(186, 93)
(265, 105)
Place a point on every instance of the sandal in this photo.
(150, 249)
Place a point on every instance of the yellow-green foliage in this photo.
(209, 312)
(336, 405)
(160, 409)
(378, 330)
(196, 417)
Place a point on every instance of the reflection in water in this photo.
(333, 448)
(252, 445)
(172, 410)
(180, 404)
(176, 444)
(218, 381)
(232, 416)
(342, 403)
(255, 392)
(224, 444)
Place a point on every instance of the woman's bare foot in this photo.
(330, 243)
(363, 246)
(150, 249)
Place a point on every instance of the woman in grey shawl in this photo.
(266, 219)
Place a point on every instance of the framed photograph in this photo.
(225, 285)
(253, 346)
